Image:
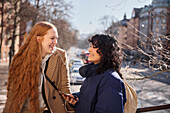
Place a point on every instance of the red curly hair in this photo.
(25, 68)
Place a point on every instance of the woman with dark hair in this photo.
(103, 90)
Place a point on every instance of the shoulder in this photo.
(59, 51)
(111, 74)
(112, 79)
(59, 54)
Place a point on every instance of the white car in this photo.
(76, 62)
(75, 77)
(73, 67)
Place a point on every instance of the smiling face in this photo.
(93, 55)
(49, 41)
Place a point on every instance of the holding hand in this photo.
(69, 97)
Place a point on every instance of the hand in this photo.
(69, 97)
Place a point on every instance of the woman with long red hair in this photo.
(28, 91)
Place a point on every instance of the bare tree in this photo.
(12, 47)
(2, 23)
(151, 51)
(20, 12)
(57, 12)
(67, 35)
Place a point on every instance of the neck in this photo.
(96, 62)
(43, 55)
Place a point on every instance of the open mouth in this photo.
(51, 46)
(90, 54)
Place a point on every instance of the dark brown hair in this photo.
(109, 52)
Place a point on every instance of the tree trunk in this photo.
(2, 22)
(12, 47)
(35, 16)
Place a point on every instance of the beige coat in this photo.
(58, 73)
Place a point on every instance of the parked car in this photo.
(75, 63)
(75, 66)
(75, 77)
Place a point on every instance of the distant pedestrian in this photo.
(28, 90)
(103, 90)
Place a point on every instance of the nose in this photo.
(89, 49)
(55, 41)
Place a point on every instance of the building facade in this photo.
(122, 33)
(154, 22)
(149, 23)
(133, 28)
(154, 19)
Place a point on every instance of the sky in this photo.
(87, 14)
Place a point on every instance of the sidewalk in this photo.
(151, 92)
(3, 82)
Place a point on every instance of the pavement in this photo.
(151, 92)
(3, 83)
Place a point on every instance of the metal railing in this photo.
(153, 108)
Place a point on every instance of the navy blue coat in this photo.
(100, 93)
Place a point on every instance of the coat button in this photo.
(54, 97)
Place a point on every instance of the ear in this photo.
(99, 52)
(38, 38)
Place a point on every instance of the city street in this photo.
(150, 92)
(80, 32)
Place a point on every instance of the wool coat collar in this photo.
(88, 70)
